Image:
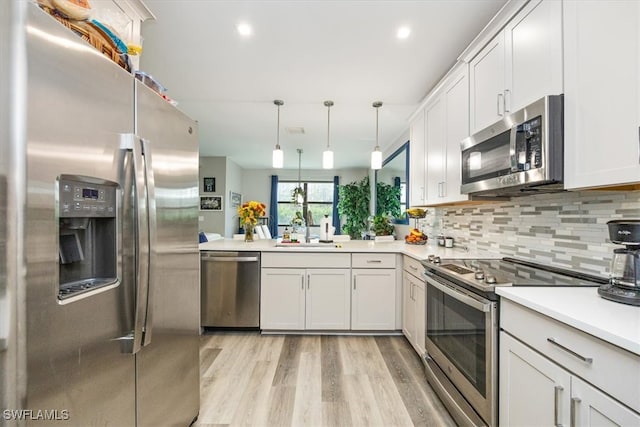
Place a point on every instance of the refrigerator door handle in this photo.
(132, 143)
(151, 238)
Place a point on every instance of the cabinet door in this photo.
(435, 146)
(417, 161)
(486, 73)
(456, 97)
(328, 300)
(602, 83)
(533, 54)
(591, 407)
(373, 299)
(420, 316)
(408, 308)
(531, 387)
(282, 298)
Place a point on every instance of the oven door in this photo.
(461, 338)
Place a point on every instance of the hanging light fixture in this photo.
(376, 154)
(277, 160)
(327, 155)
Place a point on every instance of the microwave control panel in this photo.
(528, 149)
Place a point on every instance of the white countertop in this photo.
(419, 252)
(584, 309)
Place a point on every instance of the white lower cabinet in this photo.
(373, 291)
(413, 305)
(552, 374)
(373, 299)
(533, 388)
(305, 299)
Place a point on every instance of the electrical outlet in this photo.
(200, 218)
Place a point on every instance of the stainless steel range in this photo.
(462, 327)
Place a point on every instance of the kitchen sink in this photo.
(306, 245)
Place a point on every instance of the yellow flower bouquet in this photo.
(249, 213)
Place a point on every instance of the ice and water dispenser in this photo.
(87, 229)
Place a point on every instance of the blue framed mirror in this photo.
(392, 185)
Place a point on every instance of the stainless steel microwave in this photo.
(521, 154)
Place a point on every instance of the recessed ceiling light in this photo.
(403, 33)
(244, 29)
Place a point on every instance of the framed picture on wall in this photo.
(211, 203)
(209, 185)
(235, 199)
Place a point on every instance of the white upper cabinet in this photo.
(602, 84)
(519, 65)
(456, 128)
(417, 176)
(487, 85)
(435, 148)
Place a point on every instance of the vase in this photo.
(248, 232)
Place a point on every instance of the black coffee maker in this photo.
(624, 285)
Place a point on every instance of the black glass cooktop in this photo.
(485, 274)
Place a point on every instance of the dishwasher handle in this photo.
(210, 258)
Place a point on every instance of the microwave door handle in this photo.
(152, 265)
(513, 135)
(463, 298)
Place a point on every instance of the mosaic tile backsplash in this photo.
(564, 229)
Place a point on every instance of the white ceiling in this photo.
(304, 52)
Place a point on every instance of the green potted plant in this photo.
(388, 200)
(382, 225)
(353, 203)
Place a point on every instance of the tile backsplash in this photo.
(564, 229)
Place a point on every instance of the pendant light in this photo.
(376, 154)
(327, 155)
(277, 160)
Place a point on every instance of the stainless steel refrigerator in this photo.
(107, 331)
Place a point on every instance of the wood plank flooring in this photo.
(313, 380)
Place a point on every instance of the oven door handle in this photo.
(460, 296)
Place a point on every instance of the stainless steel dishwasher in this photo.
(230, 283)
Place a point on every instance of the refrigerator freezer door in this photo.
(167, 368)
(78, 103)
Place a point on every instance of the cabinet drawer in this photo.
(610, 368)
(373, 260)
(412, 266)
(305, 260)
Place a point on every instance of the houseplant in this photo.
(387, 200)
(353, 203)
(382, 225)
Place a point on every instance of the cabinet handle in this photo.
(588, 360)
(413, 268)
(556, 401)
(574, 407)
(374, 261)
(498, 102)
(302, 281)
(507, 92)
(308, 281)
(354, 283)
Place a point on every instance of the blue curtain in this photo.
(336, 217)
(273, 207)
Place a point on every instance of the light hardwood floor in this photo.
(310, 380)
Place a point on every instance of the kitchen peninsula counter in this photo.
(419, 252)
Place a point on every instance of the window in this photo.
(318, 202)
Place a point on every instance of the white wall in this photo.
(233, 182)
(213, 221)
